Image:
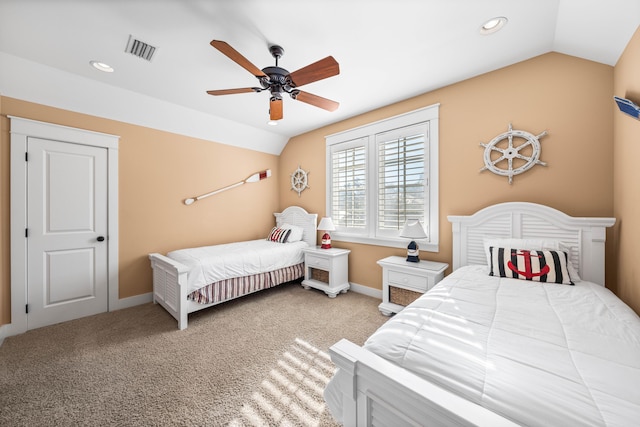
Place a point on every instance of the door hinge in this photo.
(26, 156)
(26, 308)
(26, 232)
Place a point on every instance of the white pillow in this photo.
(531, 244)
(296, 232)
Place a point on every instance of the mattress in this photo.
(210, 264)
(538, 354)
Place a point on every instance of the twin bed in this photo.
(502, 351)
(193, 279)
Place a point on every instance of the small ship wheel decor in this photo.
(299, 180)
(522, 147)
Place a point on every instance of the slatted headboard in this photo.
(295, 215)
(521, 220)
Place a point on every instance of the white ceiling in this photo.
(388, 50)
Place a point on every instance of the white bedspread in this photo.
(209, 264)
(538, 354)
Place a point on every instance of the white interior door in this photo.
(67, 242)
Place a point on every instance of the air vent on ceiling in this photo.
(140, 49)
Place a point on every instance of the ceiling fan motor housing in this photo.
(277, 81)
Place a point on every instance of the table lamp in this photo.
(413, 230)
(326, 225)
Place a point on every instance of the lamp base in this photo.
(326, 241)
(412, 252)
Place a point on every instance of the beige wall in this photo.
(157, 170)
(626, 176)
(569, 97)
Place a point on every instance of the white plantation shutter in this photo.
(349, 186)
(381, 174)
(402, 183)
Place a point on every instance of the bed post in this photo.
(170, 286)
(456, 236)
(593, 250)
(347, 379)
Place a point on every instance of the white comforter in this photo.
(209, 264)
(545, 355)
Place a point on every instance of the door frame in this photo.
(21, 129)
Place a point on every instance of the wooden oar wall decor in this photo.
(258, 176)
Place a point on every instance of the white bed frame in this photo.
(377, 392)
(170, 288)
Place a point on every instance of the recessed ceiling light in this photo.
(101, 66)
(493, 25)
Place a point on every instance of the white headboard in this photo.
(295, 215)
(585, 236)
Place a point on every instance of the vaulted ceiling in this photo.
(387, 51)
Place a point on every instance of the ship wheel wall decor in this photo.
(299, 180)
(514, 158)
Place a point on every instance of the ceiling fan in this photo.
(277, 80)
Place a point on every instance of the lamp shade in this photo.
(326, 224)
(413, 230)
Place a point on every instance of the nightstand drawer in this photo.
(317, 262)
(410, 280)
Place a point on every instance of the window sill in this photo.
(380, 241)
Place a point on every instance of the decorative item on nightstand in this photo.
(326, 225)
(413, 230)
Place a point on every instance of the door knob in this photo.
(100, 239)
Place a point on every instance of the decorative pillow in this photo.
(524, 264)
(296, 232)
(278, 235)
(531, 244)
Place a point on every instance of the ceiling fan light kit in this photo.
(278, 80)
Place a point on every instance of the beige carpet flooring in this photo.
(261, 360)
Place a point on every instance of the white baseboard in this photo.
(4, 332)
(132, 301)
(366, 290)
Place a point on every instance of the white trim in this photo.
(400, 120)
(21, 129)
(4, 332)
(366, 290)
(132, 301)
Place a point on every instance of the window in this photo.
(382, 174)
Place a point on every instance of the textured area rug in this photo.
(261, 360)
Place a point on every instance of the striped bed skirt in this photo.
(238, 286)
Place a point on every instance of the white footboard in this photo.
(170, 287)
(377, 392)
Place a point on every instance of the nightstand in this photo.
(327, 270)
(403, 281)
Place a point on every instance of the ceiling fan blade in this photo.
(316, 100)
(275, 109)
(235, 56)
(327, 67)
(231, 91)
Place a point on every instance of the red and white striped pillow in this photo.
(279, 235)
